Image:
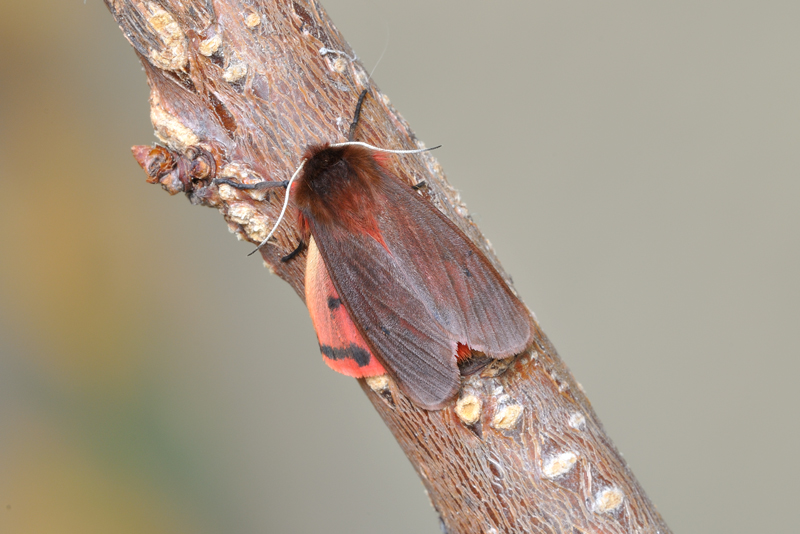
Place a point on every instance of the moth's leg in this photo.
(352, 133)
(257, 185)
(300, 247)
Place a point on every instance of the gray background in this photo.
(634, 164)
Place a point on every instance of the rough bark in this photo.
(239, 89)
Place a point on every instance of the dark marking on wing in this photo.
(334, 303)
(354, 352)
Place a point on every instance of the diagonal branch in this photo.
(238, 90)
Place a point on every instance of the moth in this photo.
(392, 285)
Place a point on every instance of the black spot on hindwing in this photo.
(354, 352)
(334, 303)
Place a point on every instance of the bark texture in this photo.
(238, 90)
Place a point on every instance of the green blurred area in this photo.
(142, 386)
(635, 166)
(86, 443)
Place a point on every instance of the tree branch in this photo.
(238, 90)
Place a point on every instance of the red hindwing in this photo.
(341, 344)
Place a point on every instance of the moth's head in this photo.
(337, 170)
(338, 184)
(320, 160)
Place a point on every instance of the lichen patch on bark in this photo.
(468, 409)
(172, 54)
(507, 416)
(559, 464)
(608, 500)
(171, 131)
(208, 47)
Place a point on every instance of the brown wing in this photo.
(428, 289)
(340, 342)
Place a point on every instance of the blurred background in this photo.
(635, 165)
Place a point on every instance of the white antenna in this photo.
(283, 210)
(379, 149)
(385, 48)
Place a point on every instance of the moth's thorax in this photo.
(340, 187)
